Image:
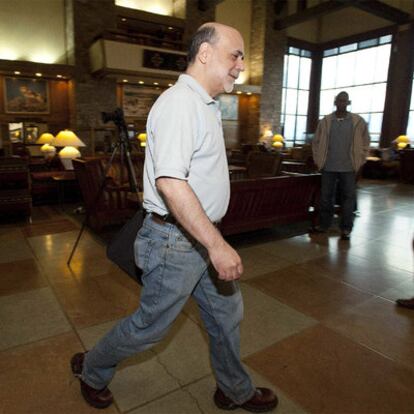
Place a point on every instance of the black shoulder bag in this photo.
(120, 249)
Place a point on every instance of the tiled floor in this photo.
(320, 327)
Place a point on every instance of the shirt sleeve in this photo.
(174, 131)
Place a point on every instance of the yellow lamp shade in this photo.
(277, 144)
(67, 138)
(48, 150)
(402, 139)
(66, 156)
(45, 138)
(402, 145)
(278, 138)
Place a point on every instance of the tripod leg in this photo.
(98, 196)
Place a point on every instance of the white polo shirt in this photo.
(185, 141)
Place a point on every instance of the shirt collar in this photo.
(196, 87)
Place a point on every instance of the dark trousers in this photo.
(347, 193)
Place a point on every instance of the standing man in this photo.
(340, 148)
(179, 248)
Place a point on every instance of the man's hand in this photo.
(186, 208)
(226, 261)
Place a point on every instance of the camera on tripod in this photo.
(117, 117)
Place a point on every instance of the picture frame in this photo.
(31, 134)
(26, 96)
(137, 101)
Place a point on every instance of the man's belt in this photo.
(167, 219)
(163, 219)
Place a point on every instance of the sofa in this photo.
(265, 202)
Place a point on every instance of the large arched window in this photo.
(295, 94)
(361, 69)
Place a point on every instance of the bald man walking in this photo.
(179, 248)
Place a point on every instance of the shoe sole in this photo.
(262, 409)
(73, 367)
(94, 403)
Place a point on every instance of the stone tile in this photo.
(176, 351)
(84, 264)
(30, 316)
(325, 372)
(14, 249)
(20, 276)
(380, 325)
(256, 262)
(138, 384)
(297, 249)
(178, 402)
(49, 227)
(308, 292)
(36, 378)
(391, 256)
(266, 321)
(359, 272)
(202, 391)
(94, 300)
(404, 290)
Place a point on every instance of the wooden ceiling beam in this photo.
(383, 10)
(320, 10)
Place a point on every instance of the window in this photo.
(410, 127)
(360, 69)
(295, 95)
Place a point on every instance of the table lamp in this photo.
(402, 141)
(70, 142)
(47, 150)
(277, 141)
(142, 138)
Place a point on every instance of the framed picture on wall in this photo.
(137, 101)
(229, 107)
(26, 96)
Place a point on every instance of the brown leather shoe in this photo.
(96, 398)
(406, 303)
(262, 401)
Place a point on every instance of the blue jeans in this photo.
(175, 267)
(347, 191)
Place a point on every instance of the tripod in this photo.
(117, 117)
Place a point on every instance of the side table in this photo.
(62, 178)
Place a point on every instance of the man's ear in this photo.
(204, 52)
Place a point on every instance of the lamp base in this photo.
(67, 163)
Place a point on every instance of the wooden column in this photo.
(399, 84)
(314, 92)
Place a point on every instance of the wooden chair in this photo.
(15, 194)
(115, 203)
(263, 164)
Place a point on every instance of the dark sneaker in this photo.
(345, 235)
(406, 303)
(96, 398)
(262, 401)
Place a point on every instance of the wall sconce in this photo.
(70, 142)
(142, 138)
(277, 141)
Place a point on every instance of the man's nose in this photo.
(240, 65)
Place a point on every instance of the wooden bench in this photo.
(265, 202)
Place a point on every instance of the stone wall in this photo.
(90, 96)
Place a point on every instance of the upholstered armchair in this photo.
(15, 197)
